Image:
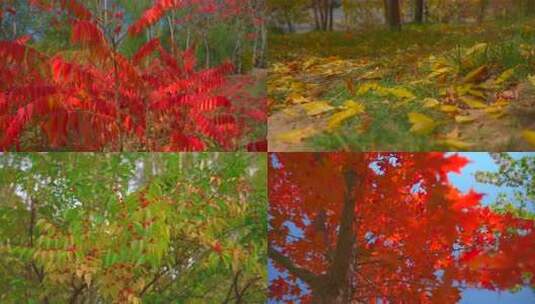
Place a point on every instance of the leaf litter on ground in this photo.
(453, 95)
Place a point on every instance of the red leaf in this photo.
(470, 200)
(77, 9)
(153, 14)
(211, 103)
(146, 49)
(181, 142)
(259, 146)
(88, 34)
(217, 248)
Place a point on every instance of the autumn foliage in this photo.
(387, 228)
(189, 228)
(95, 98)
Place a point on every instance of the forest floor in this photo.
(430, 87)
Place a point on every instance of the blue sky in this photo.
(464, 182)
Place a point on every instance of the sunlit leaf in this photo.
(421, 124)
(529, 136)
(464, 119)
(455, 144)
(505, 76)
(473, 103)
(350, 109)
(317, 107)
(297, 135)
(431, 103)
(476, 74)
(449, 108)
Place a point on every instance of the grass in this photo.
(382, 42)
(388, 131)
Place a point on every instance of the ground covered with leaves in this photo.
(429, 87)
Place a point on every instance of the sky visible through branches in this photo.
(464, 182)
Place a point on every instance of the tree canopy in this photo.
(132, 228)
(387, 228)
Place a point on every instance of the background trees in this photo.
(386, 226)
(126, 228)
(287, 12)
(357, 14)
(518, 173)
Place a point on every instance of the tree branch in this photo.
(305, 275)
(152, 282)
(232, 287)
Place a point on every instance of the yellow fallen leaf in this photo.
(475, 75)
(449, 109)
(401, 93)
(473, 103)
(297, 86)
(317, 107)
(478, 93)
(494, 110)
(502, 102)
(440, 72)
(290, 112)
(297, 135)
(475, 49)
(455, 144)
(421, 124)
(430, 103)
(365, 88)
(351, 108)
(529, 136)
(506, 75)
(531, 79)
(463, 89)
(464, 119)
(297, 98)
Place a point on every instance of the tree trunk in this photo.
(419, 11)
(331, 15)
(386, 11)
(290, 25)
(394, 16)
(530, 7)
(316, 15)
(330, 288)
(323, 14)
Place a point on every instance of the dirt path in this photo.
(295, 126)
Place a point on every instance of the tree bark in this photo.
(530, 7)
(330, 288)
(419, 11)
(394, 15)
(331, 15)
(316, 15)
(386, 11)
(323, 14)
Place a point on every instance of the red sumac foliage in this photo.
(94, 98)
